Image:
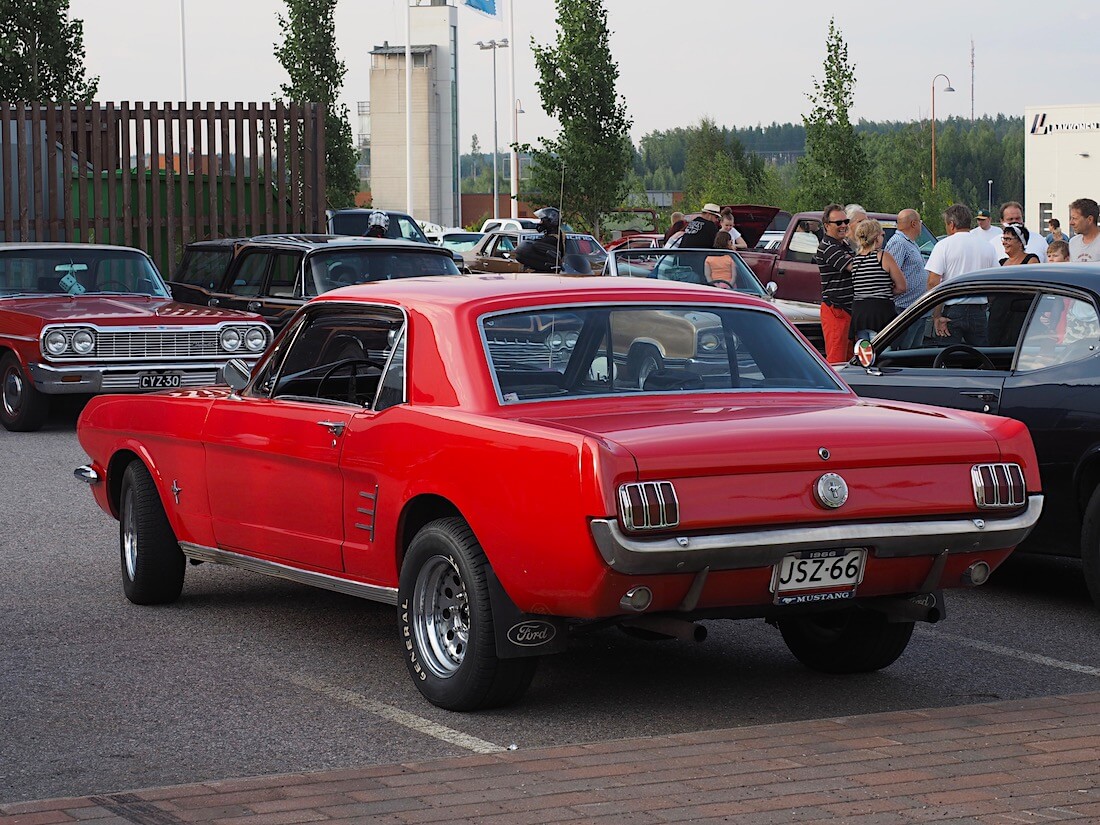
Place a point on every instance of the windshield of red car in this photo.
(570, 352)
(335, 268)
(78, 271)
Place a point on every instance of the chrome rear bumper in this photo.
(764, 548)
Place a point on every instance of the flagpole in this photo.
(514, 199)
(408, 110)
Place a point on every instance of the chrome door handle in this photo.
(985, 396)
(335, 427)
(253, 306)
(213, 302)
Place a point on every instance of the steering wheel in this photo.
(124, 287)
(983, 360)
(347, 362)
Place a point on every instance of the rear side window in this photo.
(284, 274)
(406, 229)
(204, 267)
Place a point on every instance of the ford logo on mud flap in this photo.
(532, 633)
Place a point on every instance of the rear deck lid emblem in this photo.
(831, 491)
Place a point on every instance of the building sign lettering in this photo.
(1039, 125)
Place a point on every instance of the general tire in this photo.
(152, 562)
(845, 641)
(1090, 546)
(23, 408)
(445, 622)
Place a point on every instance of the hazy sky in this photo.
(736, 62)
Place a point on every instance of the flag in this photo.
(486, 7)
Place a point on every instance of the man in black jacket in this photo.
(701, 229)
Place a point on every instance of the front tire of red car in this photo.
(1090, 546)
(445, 620)
(845, 641)
(23, 408)
(152, 562)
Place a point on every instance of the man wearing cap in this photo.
(985, 228)
(1013, 212)
(701, 229)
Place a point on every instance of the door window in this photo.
(409, 230)
(804, 242)
(284, 275)
(504, 244)
(205, 267)
(1061, 330)
(250, 274)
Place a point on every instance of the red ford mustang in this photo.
(503, 459)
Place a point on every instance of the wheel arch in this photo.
(1086, 478)
(417, 512)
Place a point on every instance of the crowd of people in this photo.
(865, 282)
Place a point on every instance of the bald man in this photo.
(903, 246)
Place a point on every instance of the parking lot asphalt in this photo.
(1030, 760)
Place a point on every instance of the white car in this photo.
(517, 224)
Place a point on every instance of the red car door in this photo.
(274, 478)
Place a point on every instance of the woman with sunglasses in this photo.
(1014, 238)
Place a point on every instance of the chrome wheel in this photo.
(129, 534)
(14, 392)
(441, 616)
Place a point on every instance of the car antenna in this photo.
(560, 244)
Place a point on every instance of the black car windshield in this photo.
(570, 352)
(78, 271)
(334, 268)
(693, 266)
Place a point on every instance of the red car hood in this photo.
(118, 310)
(781, 436)
(751, 221)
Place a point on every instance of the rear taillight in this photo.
(998, 485)
(650, 505)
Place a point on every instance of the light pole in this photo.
(990, 197)
(948, 89)
(517, 110)
(494, 45)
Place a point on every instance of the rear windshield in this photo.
(335, 268)
(78, 271)
(204, 267)
(574, 351)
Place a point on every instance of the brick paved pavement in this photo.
(1034, 760)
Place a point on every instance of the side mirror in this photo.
(236, 374)
(865, 352)
(772, 288)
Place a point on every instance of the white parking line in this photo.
(1019, 654)
(392, 714)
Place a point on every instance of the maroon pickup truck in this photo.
(785, 245)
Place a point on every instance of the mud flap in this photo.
(523, 634)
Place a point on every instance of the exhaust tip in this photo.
(976, 574)
(636, 599)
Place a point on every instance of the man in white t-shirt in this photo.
(1083, 215)
(985, 229)
(1012, 212)
(962, 320)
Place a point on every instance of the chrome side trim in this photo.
(763, 548)
(386, 595)
(86, 474)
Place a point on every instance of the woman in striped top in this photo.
(876, 279)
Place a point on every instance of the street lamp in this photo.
(948, 89)
(494, 45)
(991, 197)
(517, 110)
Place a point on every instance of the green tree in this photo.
(835, 164)
(42, 53)
(592, 152)
(308, 53)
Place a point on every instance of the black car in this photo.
(274, 275)
(353, 222)
(1038, 361)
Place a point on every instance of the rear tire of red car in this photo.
(446, 623)
(1090, 546)
(845, 641)
(152, 562)
(23, 408)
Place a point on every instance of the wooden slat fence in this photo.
(159, 175)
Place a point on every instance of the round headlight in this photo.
(230, 339)
(56, 343)
(570, 340)
(83, 341)
(709, 341)
(255, 339)
(555, 340)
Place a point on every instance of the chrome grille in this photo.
(998, 485)
(148, 344)
(650, 505)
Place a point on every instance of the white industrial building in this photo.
(1061, 161)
